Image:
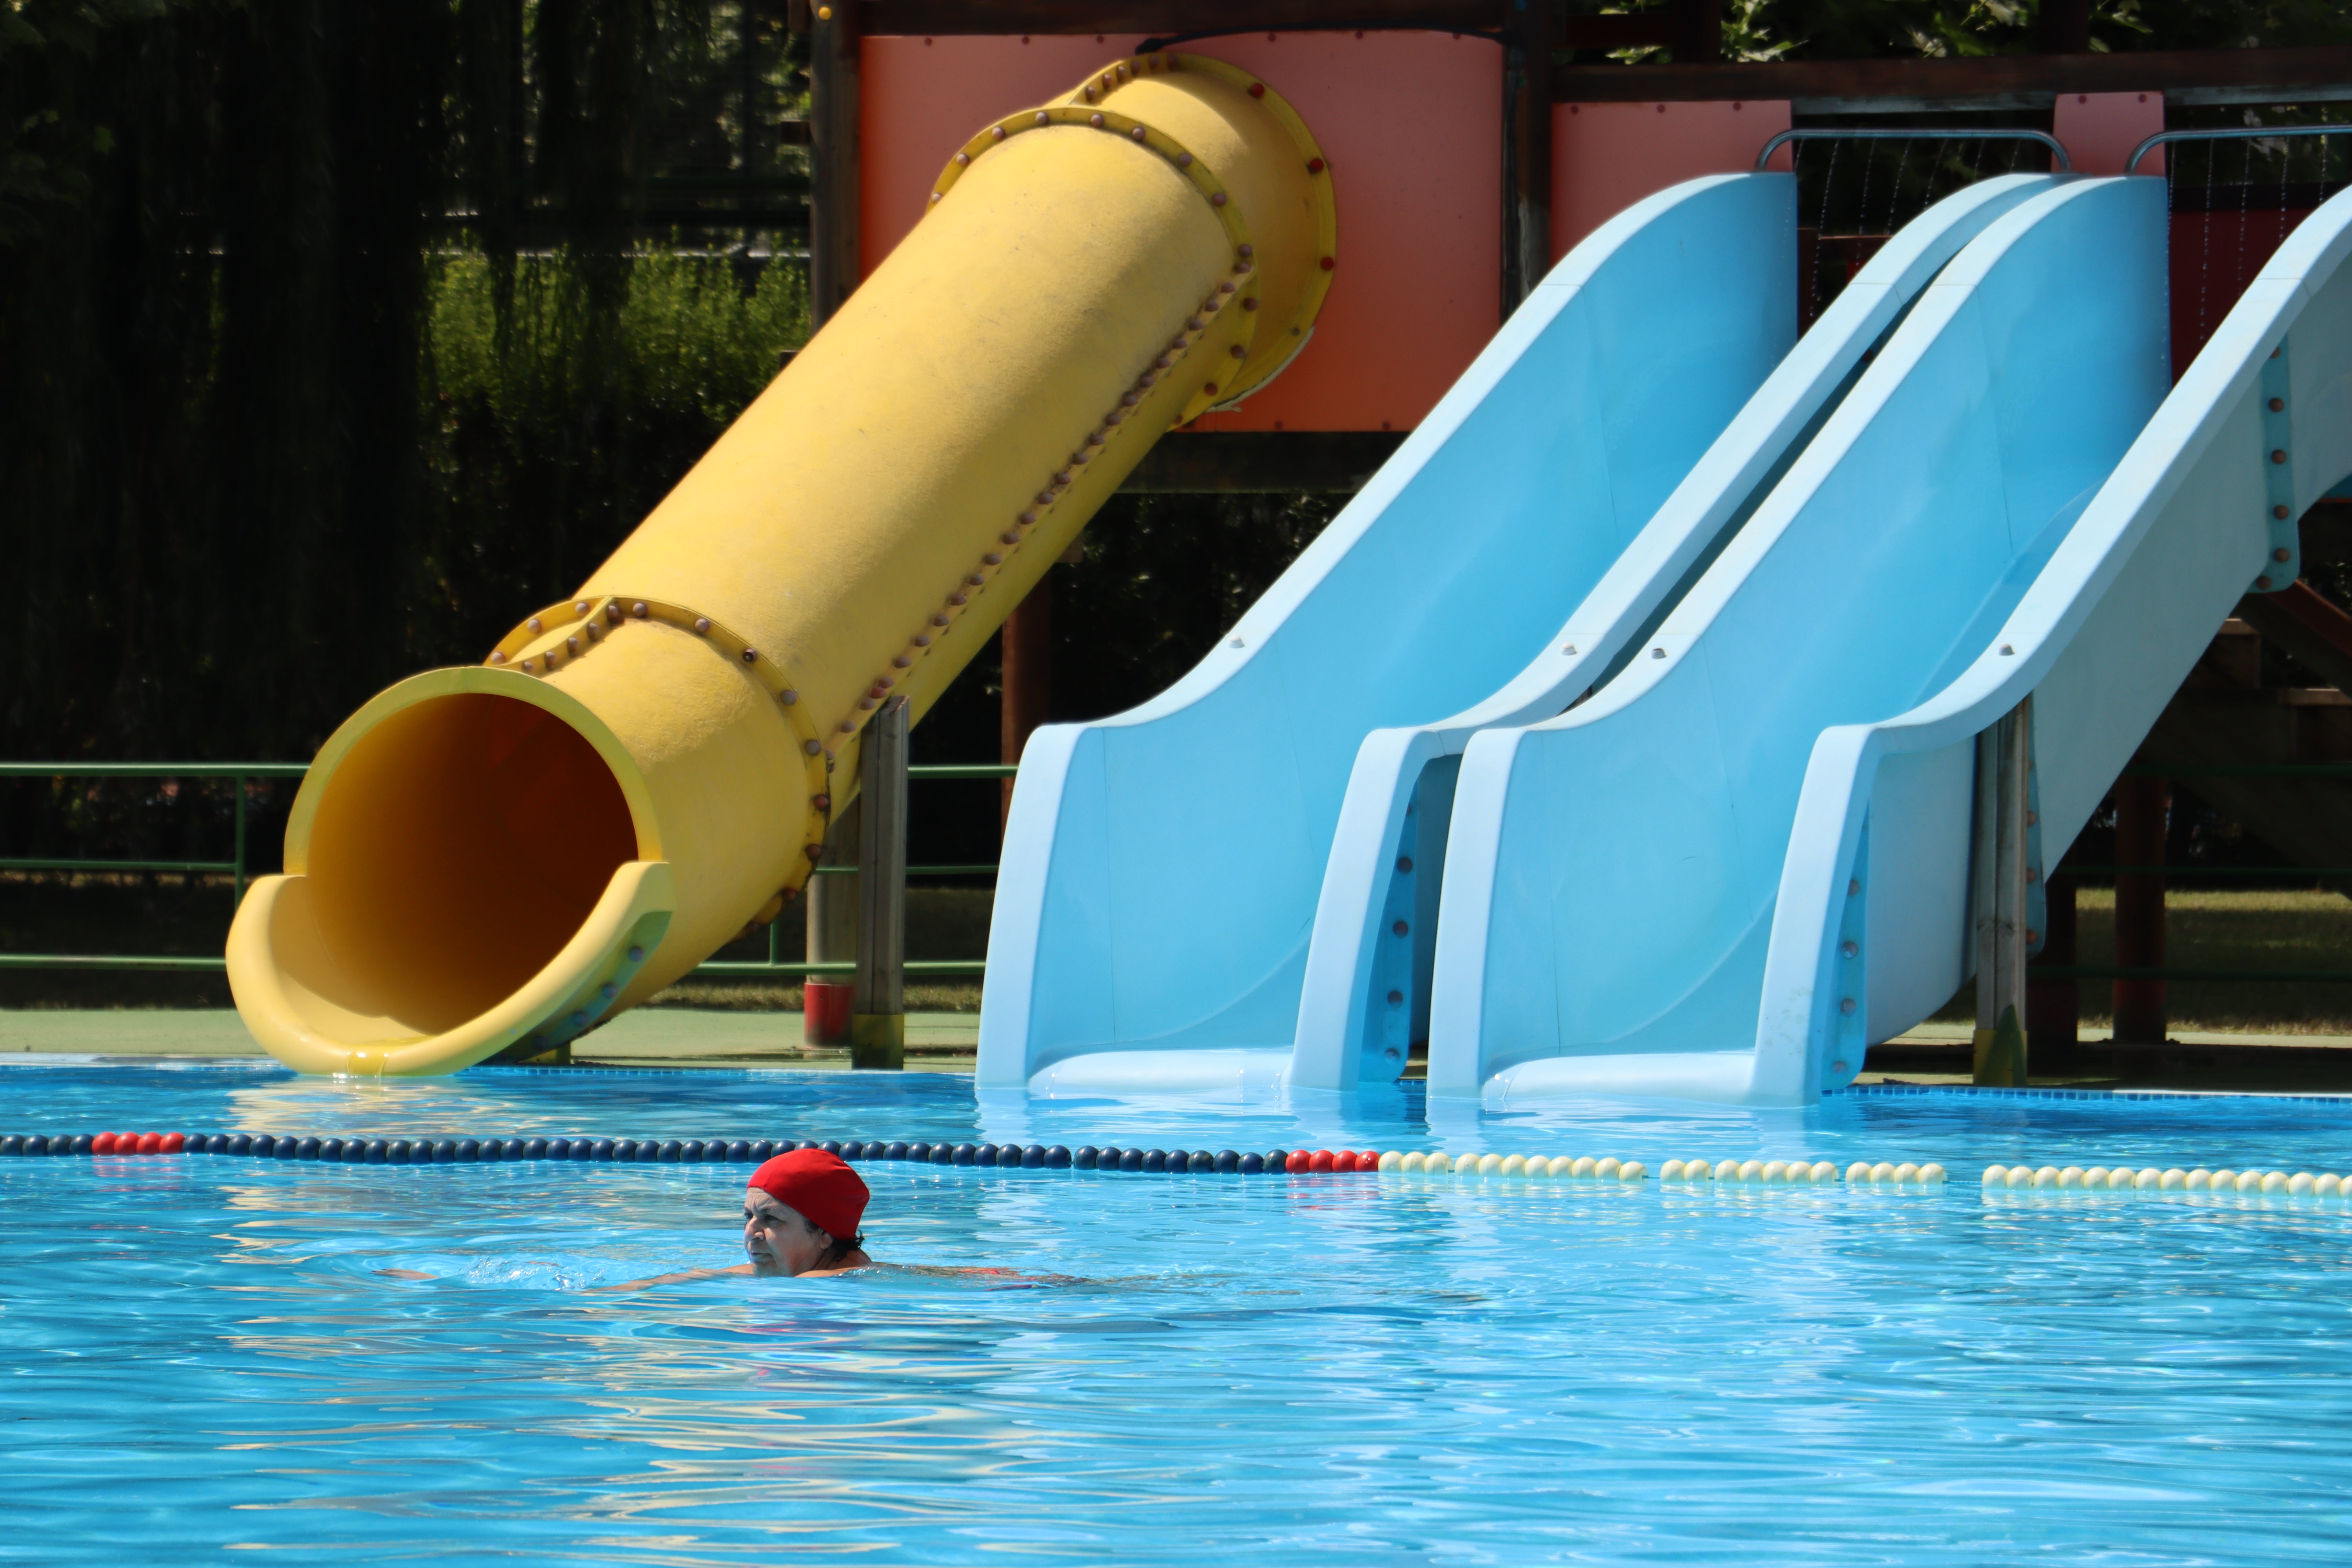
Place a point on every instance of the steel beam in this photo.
(1998, 897)
(1995, 81)
(834, 259)
(878, 1024)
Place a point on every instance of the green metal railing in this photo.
(235, 867)
(2239, 770)
(2275, 976)
(776, 965)
(2229, 976)
(2290, 873)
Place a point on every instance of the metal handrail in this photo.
(723, 969)
(962, 770)
(2067, 870)
(153, 769)
(2228, 133)
(2284, 976)
(109, 960)
(913, 870)
(186, 868)
(2237, 769)
(240, 772)
(1914, 133)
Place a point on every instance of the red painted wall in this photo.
(1411, 123)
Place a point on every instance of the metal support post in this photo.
(831, 912)
(1527, 130)
(1997, 897)
(878, 1027)
(2142, 805)
(2053, 1007)
(1698, 32)
(236, 812)
(833, 157)
(1027, 653)
(2066, 27)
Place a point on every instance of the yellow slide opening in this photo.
(456, 850)
(490, 862)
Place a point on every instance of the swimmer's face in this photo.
(777, 1238)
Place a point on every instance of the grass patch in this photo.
(2208, 929)
(46, 912)
(168, 914)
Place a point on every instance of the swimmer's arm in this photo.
(401, 1274)
(989, 1278)
(679, 1278)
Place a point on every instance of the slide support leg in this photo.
(1027, 652)
(878, 1027)
(2053, 1008)
(832, 915)
(833, 217)
(1527, 224)
(1998, 895)
(2142, 805)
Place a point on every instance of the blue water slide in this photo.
(1160, 869)
(1612, 875)
(2203, 508)
(1366, 997)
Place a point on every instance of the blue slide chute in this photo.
(2203, 508)
(1366, 993)
(1612, 875)
(1160, 869)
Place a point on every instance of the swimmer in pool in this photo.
(800, 1214)
(800, 1219)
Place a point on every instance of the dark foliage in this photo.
(227, 491)
(245, 481)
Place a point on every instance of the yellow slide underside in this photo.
(489, 861)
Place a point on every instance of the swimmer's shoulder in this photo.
(853, 1264)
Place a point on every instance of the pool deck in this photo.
(947, 1042)
(649, 1037)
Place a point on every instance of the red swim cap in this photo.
(821, 1187)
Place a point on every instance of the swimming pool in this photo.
(200, 1356)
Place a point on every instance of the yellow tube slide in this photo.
(491, 860)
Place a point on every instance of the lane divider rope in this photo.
(1006, 1156)
(2122, 1179)
(2095, 1179)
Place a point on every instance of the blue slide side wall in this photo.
(1611, 874)
(1160, 869)
(2197, 513)
(1366, 1000)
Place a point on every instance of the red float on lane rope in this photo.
(150, 1143)
(1298, 1161)
(173, 1143)
(102, 1144)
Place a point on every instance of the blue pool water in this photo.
(197, 1355)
